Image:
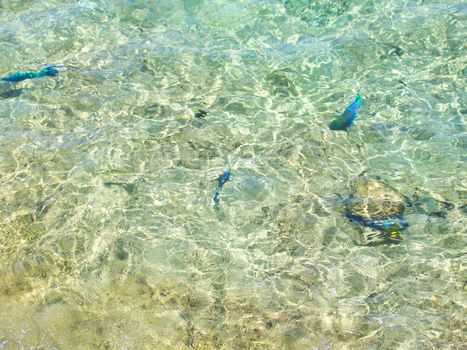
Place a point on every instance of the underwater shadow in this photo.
(11, 93)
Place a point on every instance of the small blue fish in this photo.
(20, 76)
(222, 179)
(347, 118)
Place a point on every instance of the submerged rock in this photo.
(376, 206)
(201, 114)
(371, 200)
(381, 210)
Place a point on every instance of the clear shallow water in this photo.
(108, 235)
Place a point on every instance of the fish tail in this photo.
(217, 195)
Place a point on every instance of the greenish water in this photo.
(108, 236)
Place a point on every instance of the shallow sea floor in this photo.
(108, 236)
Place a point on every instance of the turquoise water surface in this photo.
(108, 234)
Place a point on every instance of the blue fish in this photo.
(347, 118)
(393, 224)
(20, 76)
(222, 179)
(384, 224)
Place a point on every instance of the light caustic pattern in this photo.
(108, 235)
